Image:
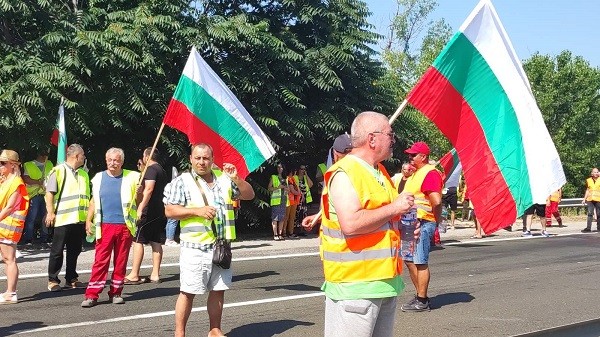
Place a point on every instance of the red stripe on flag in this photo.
(54, 137)
(178, 116)
(439, 101)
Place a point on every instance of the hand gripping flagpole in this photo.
(392, 119)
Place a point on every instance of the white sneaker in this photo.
(8, 298)
(171, 243)
(18, 254)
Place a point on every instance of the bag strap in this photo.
(212, 223)
(62, 188)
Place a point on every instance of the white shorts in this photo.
(197, 274)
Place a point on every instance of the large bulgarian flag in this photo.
(59, 136)
(208, 112)
(478, 95)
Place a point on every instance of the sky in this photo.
(547, 27)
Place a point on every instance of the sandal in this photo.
(140, 280)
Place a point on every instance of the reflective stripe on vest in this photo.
(276, 195)
(128, 204)
(75, 196)
(34, 172)
(198, 229)
(594, 187)
(413, 185)
(11, 227)
(363, 257)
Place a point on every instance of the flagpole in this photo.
(398, 111)
(162, 126)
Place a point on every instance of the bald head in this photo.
(365, 123)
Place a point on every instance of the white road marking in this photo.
(170, 313)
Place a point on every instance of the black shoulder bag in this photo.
(221, 247)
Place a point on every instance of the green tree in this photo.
(567, 89)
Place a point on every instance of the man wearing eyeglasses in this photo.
(360, 237)
(426, 185)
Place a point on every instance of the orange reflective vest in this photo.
(555, 196)
(413, 185)
(364, 257)
(594, 188)
(11, 227)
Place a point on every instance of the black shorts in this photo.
(538, 209)
(450, 198)
(150, 228)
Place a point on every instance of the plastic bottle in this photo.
(91, 237)
(407, 235)
(444, 224)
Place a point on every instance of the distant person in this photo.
(203, 202)
(360, 236)
(34, 176)
(111, 219)
(552, 208)
(450, 193)
(592, 198)
(278, 187)
(426, 185)
(67, 202)
(540, 211)
(172, 224)
(400, 178)
(151, 220)
(13, 209)
(293, 201)
(304, 184)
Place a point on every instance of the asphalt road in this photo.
(478, 288)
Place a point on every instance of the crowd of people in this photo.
(361, 208)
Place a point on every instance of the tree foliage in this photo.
(303, 69)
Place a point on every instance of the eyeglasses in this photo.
(392, 135)
(412, 155)
(2, 163)
(303, 168)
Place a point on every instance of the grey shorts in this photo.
(197, 274)
(366, 317)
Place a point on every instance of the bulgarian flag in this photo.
(59, 136)
(476, 92)
(450, 164)
(208, 112)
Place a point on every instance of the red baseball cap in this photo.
(418, 147)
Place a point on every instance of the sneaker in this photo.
(171, 243)
(545, 234)
(117, 300)
(8, 298)
(526, 234)
(53, 286)
(18, 254)
(88, 303)
(586, 230)
(76, 284)
(415, 305)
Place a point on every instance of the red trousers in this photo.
(115, 238)
(551, 210)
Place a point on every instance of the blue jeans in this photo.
(421, 254)
(171, 228)
(37, 212)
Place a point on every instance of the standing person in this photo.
(359, 235)
(592, 198)
(450, 193)
(34, 175)
(304, 184)
(552, 208)
(151, 219)
(111, 218)
(540, 210)
(294, 196)
(426, 185)
(200, 200)
(400, 178)
(67, 201)
(279, 198)
(13, 209)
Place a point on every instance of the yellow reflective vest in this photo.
(199, 229)
(11, 227)
(594, 188)
(276, 195)
(72, 198)
(128, 200)
(413, 185)
(365, 257)
(34, 172)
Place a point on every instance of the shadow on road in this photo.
(252, 276)
(266, 329)
(252, 246)
(450, 298)
(295, 287)
(21, 326)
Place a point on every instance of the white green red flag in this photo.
(476, 92)
(59, 136)
(206, 110)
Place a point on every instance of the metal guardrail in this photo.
(573, 202)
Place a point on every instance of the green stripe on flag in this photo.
(462, 64)
(216, 117)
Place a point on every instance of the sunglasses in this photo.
(2, 163)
